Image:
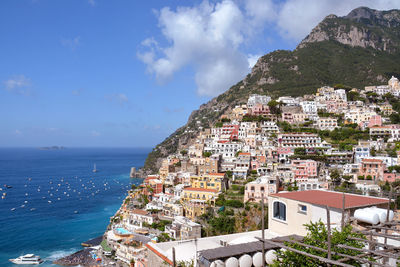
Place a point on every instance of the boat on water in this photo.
(94, 168)
(7, 186)
(27, 259)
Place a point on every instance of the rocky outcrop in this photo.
(362, 27)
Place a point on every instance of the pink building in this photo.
(391, 176)
(373, 168)
(375, 120)
(262, 186)
(304, 169)
(334, 106)
(259, 109)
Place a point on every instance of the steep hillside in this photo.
(359, 49)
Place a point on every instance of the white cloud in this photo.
(298, 17)
(18, 84)
(211, 37)
(18, 132)
(252, 59)
(261, 11)
(71, 43)
(95, 133)
(208, 38)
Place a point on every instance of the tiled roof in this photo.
(371, 160)
(331, 199)
(200, 189)
(216, 174)
(140, 212)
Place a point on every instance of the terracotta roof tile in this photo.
(216, 174)
(200, 189)
(331, 199)
(371, 160)
(140, 212)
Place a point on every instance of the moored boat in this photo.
(27, 259)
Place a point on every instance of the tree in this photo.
(207, 154)
(299, 151)
(335, 177)
(184, 152)
(373, 152)
(274, 107)
(220, 201)
(317, 236)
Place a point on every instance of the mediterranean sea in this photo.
(55, 201)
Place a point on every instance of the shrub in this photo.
(234, 203)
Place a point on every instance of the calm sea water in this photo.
(56, 201)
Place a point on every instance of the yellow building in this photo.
(208, 195)
(215, 181)
(194, 208)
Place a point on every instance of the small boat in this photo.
(27, 259)
(94, 168)
(7, 186)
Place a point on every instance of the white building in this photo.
(306, 140)
(361, 152)
(225, 149)
(289, 211)
(326, 123)
(257, 99)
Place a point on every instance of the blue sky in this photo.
(128, 73)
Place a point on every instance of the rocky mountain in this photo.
(359, 49)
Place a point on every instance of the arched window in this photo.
(279, 210)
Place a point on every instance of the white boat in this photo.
(94, 168)
(27, 259)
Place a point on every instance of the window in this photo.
(279, 211)
(302, 208)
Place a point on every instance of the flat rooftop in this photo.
(185, 250)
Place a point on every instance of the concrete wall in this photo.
(295, 219)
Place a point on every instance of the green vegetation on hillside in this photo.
(300, 72)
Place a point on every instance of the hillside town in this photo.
(273, 162)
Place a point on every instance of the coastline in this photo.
(83, 257)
